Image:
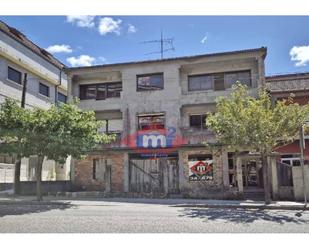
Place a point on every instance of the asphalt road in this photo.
(124, 217)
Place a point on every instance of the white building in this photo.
(46, 85)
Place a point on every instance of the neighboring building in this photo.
(290, 178)
(157, 110)
(46, 84)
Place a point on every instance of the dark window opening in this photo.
(95, 163)
(151, 122)
(62, 98)
(14, 75)
(100, 91)
(198, 121)
(150, 82)
(44, 90)
(200, 157)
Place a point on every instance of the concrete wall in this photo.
(48, 187)
(298, 182)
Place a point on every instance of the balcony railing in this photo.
(196, 136)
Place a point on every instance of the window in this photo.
(198, 121)
(44, 90)
(100, 91)
(113, 90)
(112, 126)
(14, 75)
(218, 81)
(62, 98)
(95, 164)
(200, 82)
(151, 122)
(150, 82)
(244, 77)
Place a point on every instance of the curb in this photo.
(231, 206)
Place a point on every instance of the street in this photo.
(112, 216)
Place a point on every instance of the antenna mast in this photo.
(163, 42)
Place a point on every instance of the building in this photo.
(21, 59)
(157, 110)
(290, 183)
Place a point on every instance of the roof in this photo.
(192, 57)
(288, 82)
(21, 38)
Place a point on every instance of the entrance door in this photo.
(158, 175)
(252, 175)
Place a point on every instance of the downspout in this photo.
(56, 87)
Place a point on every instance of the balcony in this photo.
(195, 136)
(116, 143)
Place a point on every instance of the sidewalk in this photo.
(196, 203)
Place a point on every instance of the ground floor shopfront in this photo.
(193, 172)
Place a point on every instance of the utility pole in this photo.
(17, 164)
(302, 147)
(166, 44)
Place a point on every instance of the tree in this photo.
(257, 124)
(12, 135)
(60, 132)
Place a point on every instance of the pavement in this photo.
(201, 203)
(123, 215)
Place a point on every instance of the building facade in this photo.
(21, 60)
(290, 183)
(157, 111)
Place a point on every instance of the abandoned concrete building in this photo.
(20, 60)
(157, 109)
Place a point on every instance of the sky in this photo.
(92, 40)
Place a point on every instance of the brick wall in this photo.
(204, 189)
(84, 173)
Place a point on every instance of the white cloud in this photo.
(204, 39)
(300, 54)
(63, 48)
(81, 21)
(80, 61)
(109, 25)
(131, 28)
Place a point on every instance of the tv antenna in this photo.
(166, 44)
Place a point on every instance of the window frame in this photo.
(150, 115)
(213, 75)
(97, 85)
(66, 97)
(16, 71)
(47, 87)
(201, 127)
(149, 75)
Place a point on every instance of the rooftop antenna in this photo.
(169, 42)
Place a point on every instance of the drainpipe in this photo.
(56, 88)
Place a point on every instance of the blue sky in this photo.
(85, 40)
